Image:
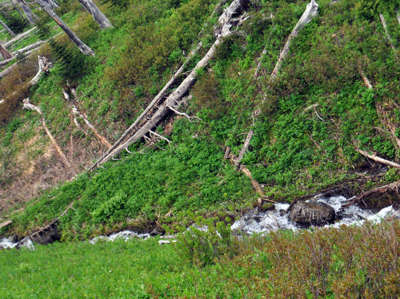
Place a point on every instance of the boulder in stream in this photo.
(311, 213)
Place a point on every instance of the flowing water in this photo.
(278, 218)
(254, 221)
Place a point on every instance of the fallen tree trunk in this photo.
(4, 53)
(379, 197)
(96, 13)
(30, 16)
(74, 38)
(27, 105)
(29, 48)
(378, 159)
(78, 114)
(43, 67)
(310, 12)
(226, 22)
(387, 34)
(157, 99)
(19, 37)
(7, 28)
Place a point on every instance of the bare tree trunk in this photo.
(387, 34)
(99, 17)
(227, 21)
(78, 114)
(30, 16)
(398, 16)
(29, 106)
(19, 37)
(7, 28)
(378, 159)
(310, 12)
(3, 51)
(81, 45)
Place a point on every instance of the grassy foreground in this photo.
(353, 262)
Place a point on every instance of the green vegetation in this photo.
(296, 150)
(347, 263)
(313, 119)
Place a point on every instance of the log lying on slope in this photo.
(310, 12)
(99, 17)
(226, 22)
(19, 37)
(160, 96)
(7, 28)
(29, 106)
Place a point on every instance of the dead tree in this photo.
(74, 38)
(7, 28)
(310, 12)
(387, 34)
(398, 16)
(19, 37)
(30, 16)
(71, 99)
(4, 53)
(29, 106)
(96, 13)
(233, 16)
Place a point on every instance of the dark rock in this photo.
(311, 213)
(47, 235)
(376, 201)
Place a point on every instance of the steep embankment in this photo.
(325, 120)
(313, 120)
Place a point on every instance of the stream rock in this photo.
(311, 213)
(48, 235)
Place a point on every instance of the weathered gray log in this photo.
(7, 28)
(4, 53)
(387, 33)
(30, 16)
(74, 38)
(43, 67)
(309, 13)
(162, 93)
(96, 13)
(27, 105)
(19, 37)
(77, 113)
(226, 22)
(29, 48)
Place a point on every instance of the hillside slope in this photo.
(312, 120)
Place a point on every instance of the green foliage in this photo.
(203, 245)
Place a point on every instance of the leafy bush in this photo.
(203, 245)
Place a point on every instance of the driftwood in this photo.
(19, 37)
(71, 99)
(226, 23)
(96, 13)
(29, 106)
(74, 38)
